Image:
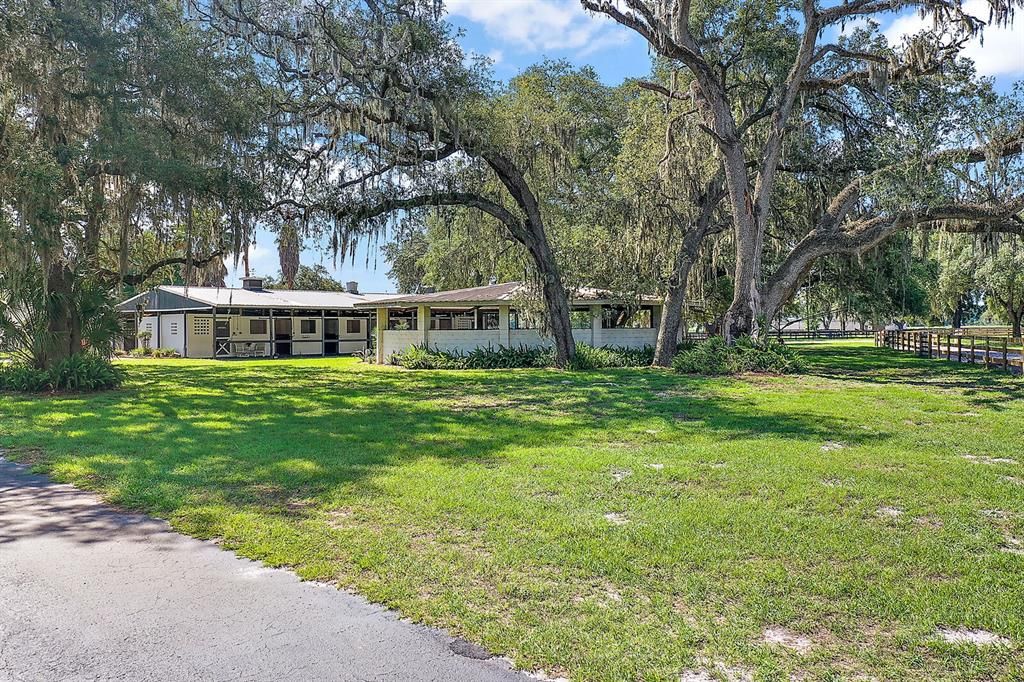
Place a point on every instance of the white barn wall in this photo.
(151, 324)
(531, 338)
(397, 341)
(629, 338)
(463, 341)
(352, 346)
(172, 333)
(307, 348)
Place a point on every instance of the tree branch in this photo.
(135, 279)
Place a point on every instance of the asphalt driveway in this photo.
(91, 593)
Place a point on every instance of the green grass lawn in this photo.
(611, 525)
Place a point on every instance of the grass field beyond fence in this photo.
(612, 525)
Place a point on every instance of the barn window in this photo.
(202, 326)
(352, 326)
(257, 327)
(307, 326)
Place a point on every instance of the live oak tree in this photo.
(1002, 280)
(382, 114)
(118, 123)
(761, 74)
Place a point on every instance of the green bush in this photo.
(165, 353)
(422, 357)
(23, 378)
(80, 372)
(589, 357)
(747, 355)
(505, 357)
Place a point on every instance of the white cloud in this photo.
(539, 25)
(1002, 53)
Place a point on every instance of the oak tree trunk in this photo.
(667, 344)
(671, 319)
(63, 323)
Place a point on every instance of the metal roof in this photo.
(166, 297)
(494, 294)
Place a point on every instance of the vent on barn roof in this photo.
(252, 283)
(352, 287)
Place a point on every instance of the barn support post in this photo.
(382, 325)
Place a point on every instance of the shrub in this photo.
(422, 357)
(23, 378)
(85, 372)
(505, 357)
(589, 357)
(80, 372)
(746, 355)
(165, 353)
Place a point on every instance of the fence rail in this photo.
(994, 352)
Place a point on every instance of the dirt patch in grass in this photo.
(984, 459)
(963, 635)
(616, 518)
(889, 513)
(784, 637)
(716, 671)
(1013, 545)
(932, 522)
(619, 475)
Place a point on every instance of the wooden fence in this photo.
(995, 352)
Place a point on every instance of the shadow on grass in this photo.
(287, 439)
(989, 388)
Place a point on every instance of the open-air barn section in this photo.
(207, 322)
(463, 319)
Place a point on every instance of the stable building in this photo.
(222, 322)
(208, 322)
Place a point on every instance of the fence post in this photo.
(988, 352)
(1006, 361)
(959, 349)
(973, 358)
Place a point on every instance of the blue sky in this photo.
(517, 33)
